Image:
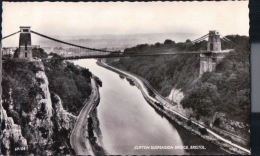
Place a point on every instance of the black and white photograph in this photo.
(125, 78)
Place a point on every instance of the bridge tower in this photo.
(214, 43)
(25, 43)
(213, 55)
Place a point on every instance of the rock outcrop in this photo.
(176, 95)
(39, 126)
(29, 127)
(12, 139)
(64, 119)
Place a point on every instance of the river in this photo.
(129, 125)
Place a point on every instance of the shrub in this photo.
(203, 131)
(39, 53)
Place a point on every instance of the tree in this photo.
(168, 42)
(157, 44)
(203, 99)
(39, 53)
(188, 41)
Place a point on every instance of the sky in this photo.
(120, 18)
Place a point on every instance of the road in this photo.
(79, 136)
(168, 106)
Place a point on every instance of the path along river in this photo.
(129, 125)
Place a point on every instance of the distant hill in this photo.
(118, 42)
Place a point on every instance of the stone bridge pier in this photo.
(213, 55)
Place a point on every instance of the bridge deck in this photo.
(114, 55)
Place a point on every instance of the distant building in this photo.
(214, 55)
(8, 51)
(25, 44)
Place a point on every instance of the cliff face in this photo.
(44, 99)
(64, 119)
(11, 136)
(32, 112)
(33, 120)
(63, 124)
(40, 125)
(176, 95)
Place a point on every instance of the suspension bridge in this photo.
(208, 57)
(88, 52)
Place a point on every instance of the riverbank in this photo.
(224, 94)
(167, 110)
(82, 139)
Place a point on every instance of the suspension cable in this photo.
(227, 40)
(203, 37)
(10, 35)
(200, 39)
(71, 44)
(197, 41)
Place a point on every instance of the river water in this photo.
(129, 124)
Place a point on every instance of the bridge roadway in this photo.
(120, 54)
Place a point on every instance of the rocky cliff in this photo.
(33, 120)
(12, 140)
(29, 104)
